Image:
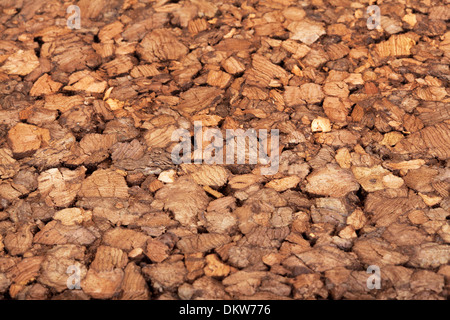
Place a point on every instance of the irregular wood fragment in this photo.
(125, 239)
(86, 81)
(311, 93)
(184, 198)
(336, 110)
(343, 158)
(431, 93)
(26, 270)
(371, 179)
(197, 99)
(102, 285)
(167, 176)
(161, 45)
(284, 183)
(309, 286)
(54, 272)
(133, 285)
(219, 217)
(104, 184)
(430, 255)
(233, 65)
(25, 139)
(321, 124)
(430, 200)
(430, 141)
(405, 165)
(45, 85)
(243, 282)
(266, 74)
(108, 258)
(59, 187)
(17, 243)
(243, 181)
(215, 268)
(326, 257)
(92, 8)
(306, 31)
(209, 175)
(156, 250)
(96, 146)
(121, 65)
(166, 275)
(8, 165)
(218, 78)
(61, 102)
(388, 205)
(144, 70)
(54, 233)
(110, 31)
(21, 62)
(403, 234)
(331, 181)
(202, 242)
(397, 45)
(298, 50)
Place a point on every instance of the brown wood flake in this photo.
(90, 119)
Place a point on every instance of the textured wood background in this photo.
(87, 116)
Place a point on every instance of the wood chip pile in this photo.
(88, 187)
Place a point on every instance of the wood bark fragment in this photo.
(133, 285)
(21, 62)
(25, 139)
(88, 118)
(59, 187)
(184, 198)
(102, 285)
(329, 181)
(202, 242)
